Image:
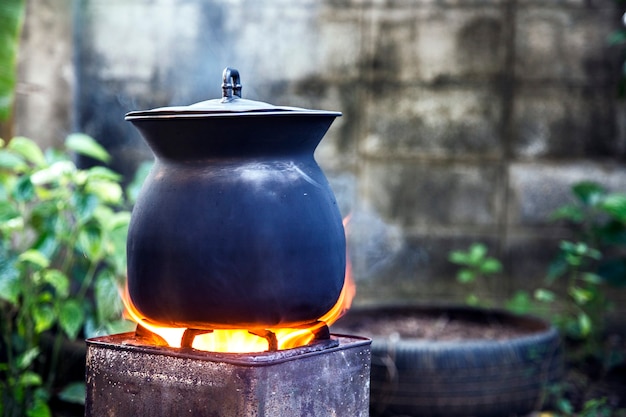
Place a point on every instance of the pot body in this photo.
(236, 225)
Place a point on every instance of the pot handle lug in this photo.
(231, 84)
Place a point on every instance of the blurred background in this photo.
(463, 120)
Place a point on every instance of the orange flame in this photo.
(240, 340)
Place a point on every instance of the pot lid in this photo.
(230, 104)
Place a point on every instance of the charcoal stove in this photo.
(126, 377)
(236, 230)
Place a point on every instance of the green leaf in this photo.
(472, 300)
(594, 404)
(30, 379)
(28, 149)
(546, 296)
(44, 317)
(53, 173)
(103, 173)
(44, 217)
(71, 318)
(85, 206)
(615, 205)
(34, 257)
(570, 212)
(581, 295)
(565, 406)
(119, 220)
(458, 257)
(10, 218)
(573, 260)
(48, 244)
(588, 192)
(74, 393)
(39, 409)
(584, 324)
(23, 190)
(9, 160)
(86, 145)
(465, 276)
(107, 294)
(7, 211)
(80, 177)
(58, 280)
(45, 296)
(44, 193)
(10, 288)
(490, 266)
(12, 225)
(591, 278)
(567, 246)
(26, 359)
(11, 20)
(107, 191)
(520, 303)
(90, 242)
(477, 253)
(580, 249)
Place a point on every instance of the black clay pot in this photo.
(236, 225)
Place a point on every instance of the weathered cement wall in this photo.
(463, 120)
(44, 101)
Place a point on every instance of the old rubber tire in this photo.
(481, 378)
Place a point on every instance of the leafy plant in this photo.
(599, 220)
(476, 265)
(595, 407)
(62, 257)
(589, 265)
(585, 304)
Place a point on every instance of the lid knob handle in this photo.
(231, 84)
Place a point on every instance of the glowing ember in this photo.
(240, 340)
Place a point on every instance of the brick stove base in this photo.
(125, 378)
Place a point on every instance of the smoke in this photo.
(373, 244)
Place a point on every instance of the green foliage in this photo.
(599, 219)
(584, 302)
(475, 265)
(576, 281)
(520, 303)
(62, 256)
(596, 260)
(595, 407)
(11, 18)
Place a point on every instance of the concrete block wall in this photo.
(464, 120)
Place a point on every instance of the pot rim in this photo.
(168, 114)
